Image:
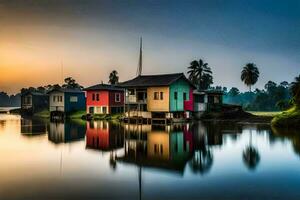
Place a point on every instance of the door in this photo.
(92, 110)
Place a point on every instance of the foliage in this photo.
(113, 77)
(200, 74)
(71, 84)
(77, 114)
(10, 100)
(250, 74)
(273, 98)
(288, 119)
(295, 89)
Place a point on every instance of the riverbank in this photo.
(240, 116)
(288, 119)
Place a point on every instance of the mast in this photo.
(140, 65)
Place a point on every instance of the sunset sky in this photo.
(92, 37)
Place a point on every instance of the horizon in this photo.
(90, 39)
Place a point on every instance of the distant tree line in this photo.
(272, 98)
(69, 83)
(10, 100)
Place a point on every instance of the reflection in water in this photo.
(105, 136)
(33, 126)
(66, 132)
(164, 147)
(151, 162)
(292, 134)
(251, 156)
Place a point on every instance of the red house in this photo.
(104, 99)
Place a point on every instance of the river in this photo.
(111, 160)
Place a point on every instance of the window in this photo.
(175, 95)
(93, 97)
(97, 97)
(104, 110)
(184, 96)
(117, 97)
(131, 92)
(73, 99)
(54, 97)
(161, 95)
(156, 95)
(60, 99)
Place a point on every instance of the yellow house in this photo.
(158, 99)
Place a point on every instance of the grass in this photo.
(265, 114)
(42, 114)
(77, 114)
(107, 116)
(288, 119)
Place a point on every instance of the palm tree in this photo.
(198, 70)
(295, 88)
(113, 77)
(250, 74)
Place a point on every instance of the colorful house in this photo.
(104, 99)
(65, 100)
(32, 102)
(166, 95)
(207, 100)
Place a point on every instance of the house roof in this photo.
(65, 90)
(104, 87)
(208, 91)
(154, 80)
(34, 93)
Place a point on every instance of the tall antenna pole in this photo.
(140, 66)
(62, 73)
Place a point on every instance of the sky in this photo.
(90, 38)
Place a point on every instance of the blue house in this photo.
(65, 101)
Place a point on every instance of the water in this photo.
(74, 160)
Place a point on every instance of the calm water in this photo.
(42, 160)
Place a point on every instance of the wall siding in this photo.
(74, 106)
(180, 86)
(158, 105)
(55, 105)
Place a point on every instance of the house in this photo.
(64, 100)
(33, 102)
(154, 96)
(104, 99)
(207, 100)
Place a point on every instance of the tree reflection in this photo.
(291, 134)
(251, 155)
(202, 161)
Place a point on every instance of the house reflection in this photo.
(68, 131)
(163, 147)
(33, 126)
(104, 136)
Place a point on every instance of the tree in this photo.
(71, 84)
(233, 92)
(200, 74)
(295, 89)
(113, 77)
(250, 74)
